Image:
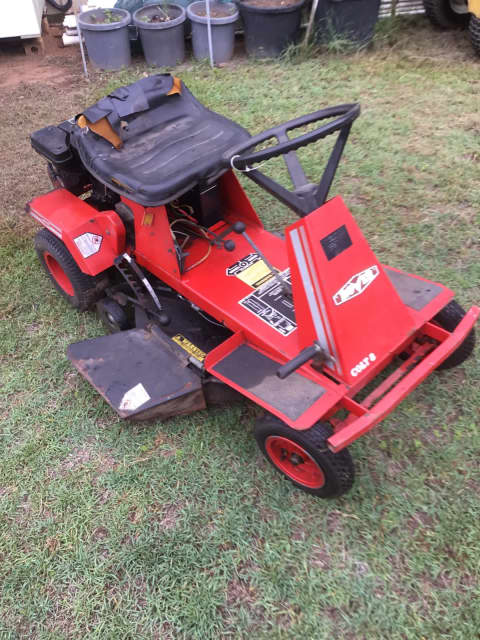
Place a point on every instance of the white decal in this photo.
(363, 364)
(356, 285)
(134, 398)
(88, 244)
(46, 223)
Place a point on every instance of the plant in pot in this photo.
(270, 25)
(106, 37)
(161, 30)
(223, 16)
(346, 23)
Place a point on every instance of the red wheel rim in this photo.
(294, 462)
(58, 274)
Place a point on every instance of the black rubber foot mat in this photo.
(257, 374)
(415, 293)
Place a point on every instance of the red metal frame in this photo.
(347, 304)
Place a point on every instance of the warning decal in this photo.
(189, 347)
(269, 303)
(251, 269)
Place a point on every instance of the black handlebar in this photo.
(306, 196)
(347, 114)
(292, 365)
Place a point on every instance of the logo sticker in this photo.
(356, 285)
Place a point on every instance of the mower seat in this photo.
(169, 141)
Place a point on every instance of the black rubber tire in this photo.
(61, 6)
(449, 318)
(474, 32)
(338, 468)
(83, 290)
(113, 315)
(440, 14)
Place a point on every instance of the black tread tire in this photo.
(113, 315)
(441, 14)
(85, 289)
(338, 468)
(474, 32)
(449, 318)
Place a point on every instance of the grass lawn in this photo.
(180, 529)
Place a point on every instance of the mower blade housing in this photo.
(140, 373)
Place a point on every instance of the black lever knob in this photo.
(229, 245)
(239, 227)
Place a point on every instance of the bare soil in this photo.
(271, 4)
(56, 65)
(216, 11)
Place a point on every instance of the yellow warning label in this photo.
(189, 347)
(256, 274)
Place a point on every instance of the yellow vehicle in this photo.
(448, 14)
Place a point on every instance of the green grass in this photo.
(180, 529)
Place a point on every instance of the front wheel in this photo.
(449, 318)
(77, 288)
(304, 458)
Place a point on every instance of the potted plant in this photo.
(161, 30)
(349, 21)
(223, 16)
(106, 37)
(270, 25)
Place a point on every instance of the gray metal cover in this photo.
(141, 373)
(415, 293)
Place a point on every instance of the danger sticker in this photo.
(269, 304)
(189, 347)
(251, 269)
(134, 398)
(88, 244)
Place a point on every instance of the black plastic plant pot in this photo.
(106, 37)
(270, 29)
(161, 30)
(223, 17)
(352, 21)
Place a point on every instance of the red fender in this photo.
(94, 238)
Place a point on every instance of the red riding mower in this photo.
(148, 221)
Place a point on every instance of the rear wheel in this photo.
(76, 287)
(449, 318)
(447, 14)
(474, 30)
(304, 458)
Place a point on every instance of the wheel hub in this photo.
(294, 461)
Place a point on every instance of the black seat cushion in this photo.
(170, 142)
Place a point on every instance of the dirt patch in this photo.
(57, 66)
(81, 457)
(169, 516)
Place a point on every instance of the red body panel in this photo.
(347, 303)
(343, 298)
(70, 218)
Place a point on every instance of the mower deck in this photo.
(127, 369)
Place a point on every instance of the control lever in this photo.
(240, 228)
(304, 356)
(218, 240)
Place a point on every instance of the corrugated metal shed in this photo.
(400, 7)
